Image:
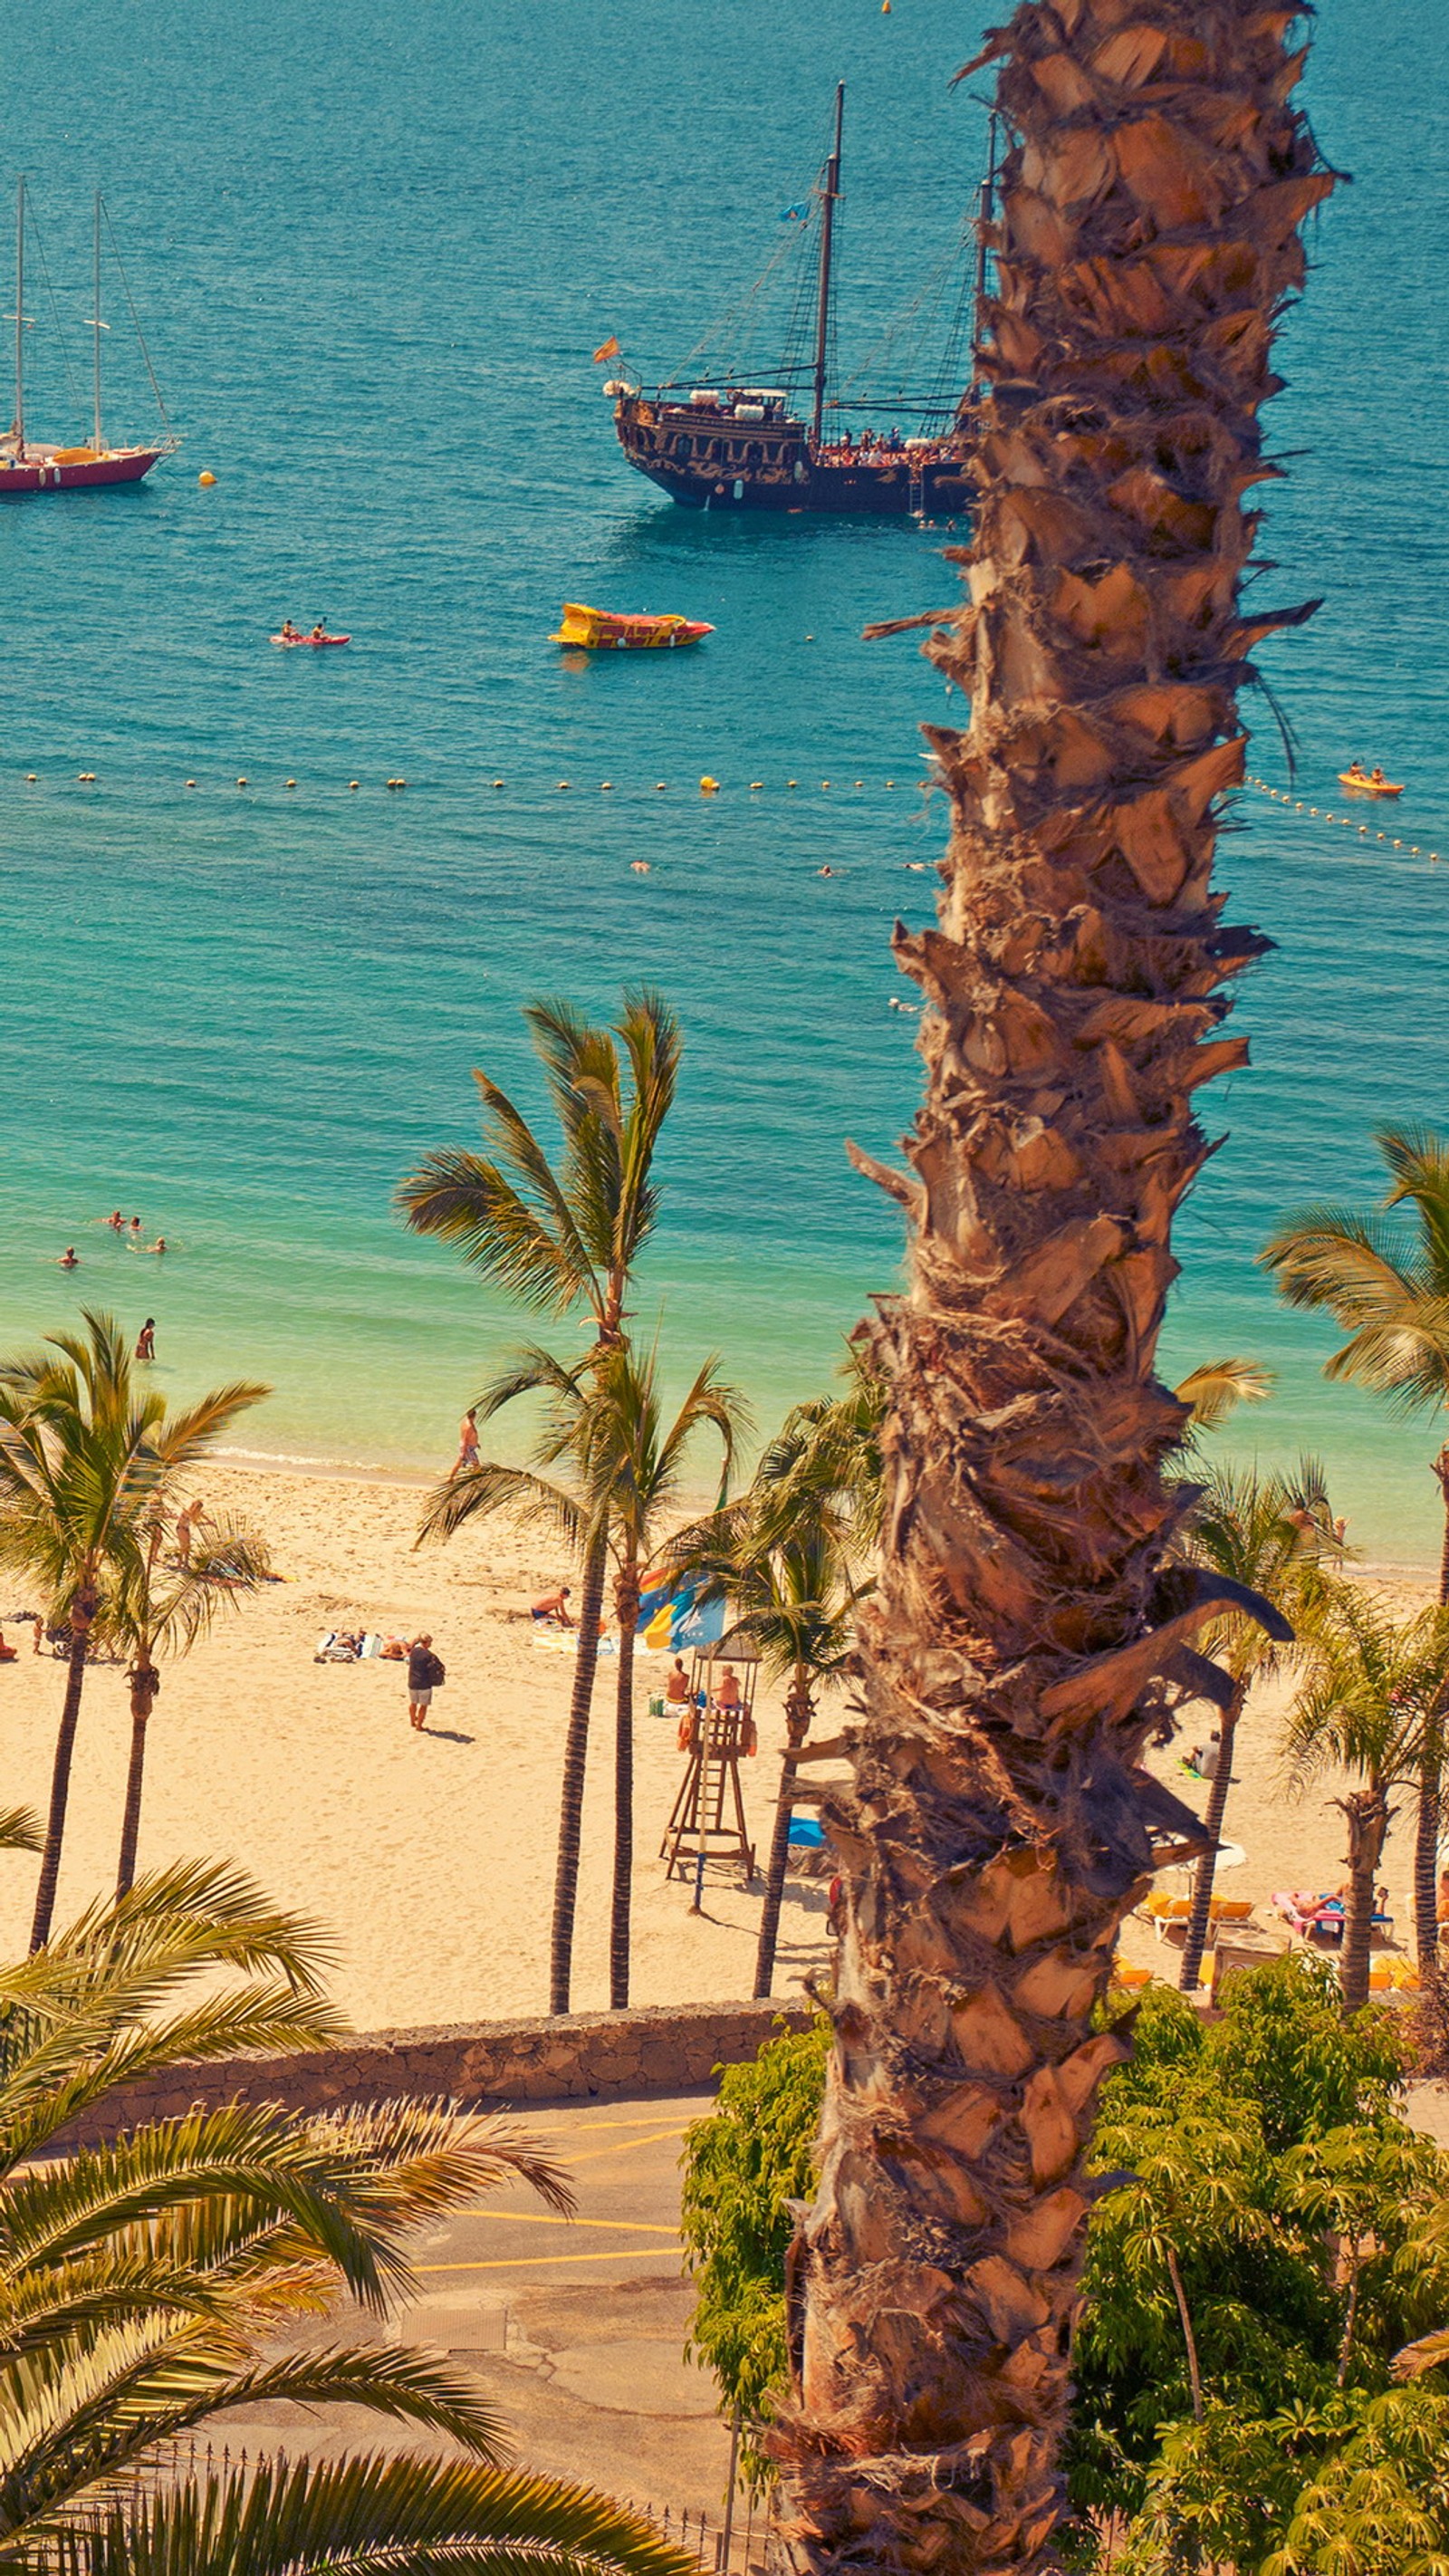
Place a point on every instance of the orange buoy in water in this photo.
(709, 786)
(206, 481)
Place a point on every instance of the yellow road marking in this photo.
(535, 2218)
(623, 2147)
(532, 2262)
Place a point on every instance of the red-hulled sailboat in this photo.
(42, 465)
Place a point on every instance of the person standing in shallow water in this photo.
(467, 1441)
(146, 1340)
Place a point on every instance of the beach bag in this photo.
(750, 1737)
(437, 1672)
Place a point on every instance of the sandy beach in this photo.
(431, 1857)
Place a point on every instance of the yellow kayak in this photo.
(1369, 782)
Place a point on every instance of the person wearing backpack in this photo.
(426, 1673)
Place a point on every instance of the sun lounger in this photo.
(1128, 1978)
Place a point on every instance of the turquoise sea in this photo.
(375, 249)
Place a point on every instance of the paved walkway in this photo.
(575, 2328)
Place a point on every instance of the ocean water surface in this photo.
(374, 253)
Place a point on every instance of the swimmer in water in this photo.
(116, 1221)
(825, 872)
(159, 1245)
(133, 1230)
(69, 1259)
(146, 1340)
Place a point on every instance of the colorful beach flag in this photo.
(796, 214)
(609, 349)
(670, 1623)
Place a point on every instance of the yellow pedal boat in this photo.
(1369, 782)
(602, 630)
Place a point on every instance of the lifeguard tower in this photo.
(707, 1821)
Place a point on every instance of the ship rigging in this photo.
(787, 445)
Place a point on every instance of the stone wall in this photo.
(579, 2057)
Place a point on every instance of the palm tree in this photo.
(557, 1240)
(605, 1422)
(791, 1592)
(142, 2277)
(1371, 1686)
(86, 1456)
(1388, 1288)
(1017, 1653)
(154, 1608)
(1262, 1531)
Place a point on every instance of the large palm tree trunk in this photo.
(799, 1709)
(60, 1786)
(626, 1599)
(1367, 1811)
(145, 1682)
(1026, 1637)
(1200, 1915)
(571, 1800)
(1431, 1770)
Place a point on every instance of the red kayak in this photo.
(315, 640)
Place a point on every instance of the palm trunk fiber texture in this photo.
(571, 1795)
(1200, 1917)
(1027, 1636)
(1431, 1790)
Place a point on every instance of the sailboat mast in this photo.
(96, 320)
(830, 190)
(20, 318)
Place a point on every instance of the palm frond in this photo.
(1216, 1387)
(472, 1203)
(363, 2517)
(20, 1830)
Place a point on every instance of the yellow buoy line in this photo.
(1349, 822)
(708, 785)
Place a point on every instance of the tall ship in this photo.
(791, 444)
(29, 464)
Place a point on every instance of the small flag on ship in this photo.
(795, 214)
(609, 349)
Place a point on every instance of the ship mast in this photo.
(829, 192)
(984, 214)
(20, 318)
(96, 321)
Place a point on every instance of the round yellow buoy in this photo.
(709, 786)
(824, 782)
(352, 783)
(87, 778)
(1313, 809)
(659, 786)
(755, 785)
(890, 782)
(563, 782)
(1398, 845)
(497, 782)
(606, 787)
(792, 782)
(191, 782)
(206, 480)
(30, 778)
(809, 639)
(289, 782)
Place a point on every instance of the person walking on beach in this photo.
(467, 1441)
(146, 1340)
(425, 1672)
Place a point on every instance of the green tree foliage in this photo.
(1270, 2235)
(743, 2167)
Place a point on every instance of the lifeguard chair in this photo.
(707, 1821)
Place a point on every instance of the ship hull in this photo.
(711, 461)
(44, 472)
